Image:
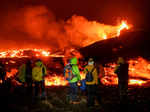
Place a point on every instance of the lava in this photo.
(21, 53)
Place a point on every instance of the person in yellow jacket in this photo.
(91, 81)
(38, 73)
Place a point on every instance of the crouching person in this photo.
(38, 73)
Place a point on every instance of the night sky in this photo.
(106, 11)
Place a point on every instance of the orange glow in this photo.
(55, 80)
(139, 74)
(12, 73)
(136, 82)
(20, 53)
(45, 53)
(122, 26)
(105, 36)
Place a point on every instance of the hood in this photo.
(121, 60)
(38, 63)
(73, 61)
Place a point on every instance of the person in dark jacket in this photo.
(25, 76)
(28, 76)
(122, 72)
(2, 72)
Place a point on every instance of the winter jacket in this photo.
(94, 74)
(22, 73)
(75, 70)
(39, 71)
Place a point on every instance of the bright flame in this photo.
(104, 36)
(122, 26)
(136, 82)
(45, 53)
(55, 80)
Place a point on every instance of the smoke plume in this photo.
(37, 27)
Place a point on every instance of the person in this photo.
(122, 72)
(38, 74)
(21, 73)
(25, 76)
(28, 77)
(91, 81)
(2, 72)
(72, 74)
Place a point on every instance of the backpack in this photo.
(89, 76)
(68, 72)
(83, 85)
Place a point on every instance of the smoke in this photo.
(37, 27)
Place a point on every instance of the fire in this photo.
(12, 73)
(136, 82)
(104, 36)
(122, 26)
(21, 53)
(111, 33)
(55, 80)
(45, 53)
(139, 70)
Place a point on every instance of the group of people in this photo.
(32, 76)
(72, 74)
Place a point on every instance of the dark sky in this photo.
(105, 11)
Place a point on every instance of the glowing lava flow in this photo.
(122, 26)
(139, 71)
(21, 53)
(55, 80)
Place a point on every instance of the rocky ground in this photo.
(16, 100)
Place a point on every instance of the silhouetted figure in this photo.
(2, 72)
(122, 72)
(25, 76)
(28, 77)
